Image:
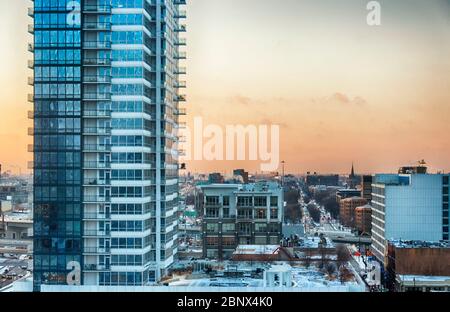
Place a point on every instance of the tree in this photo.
(308, 259)
(331, 205)
(314, 212)
(292, 211)
(343, 255)
(330, 269)
(327, 199)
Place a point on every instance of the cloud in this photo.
(243, 100)
(359, 101)
(341, 98)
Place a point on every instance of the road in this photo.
(334, 231)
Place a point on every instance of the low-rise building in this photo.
(347, 193)
(418, 266)
(347, 210)
(263, 253)
(241, 214)
(363, 218)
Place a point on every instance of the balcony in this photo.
(97, 45)
(96, 233)
(31, 28)
(181, 14)
(97, 9)
(181, 42)
(31, 47)
(181, 71)
(96, 268)
(30, 64)
(96, 165)
(96, 148)
(96, 250)
(31, 12)
(96, 199)
(95, 96)
(96, 79)
(97, 131)
(181, 56)
(30, 114)
(96, 182)
(96, 216)
(30, 148)
(180, 98)
(181, 112)
(97, 26)
(181, 84)
(97, 114)
(30, 98)
(30, 131)
(181, 28)
(96, 62)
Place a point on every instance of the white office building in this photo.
(409, 207)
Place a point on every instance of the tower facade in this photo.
(106, 119)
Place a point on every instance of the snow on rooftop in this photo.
(257, 249)
(418, 244)
(313, 242)
(424, 278)
(303, 278)
(284, 267)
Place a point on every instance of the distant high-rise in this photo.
(106, 106)
(366, 187)
(317, 179)
(409, 207)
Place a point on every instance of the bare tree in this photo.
(343, 255)
(308, 259)
(330, 269)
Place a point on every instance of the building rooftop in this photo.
(259, 187)
(257, 250)
(419, 244)
(353, 198)
(424, 278)
(367, 206)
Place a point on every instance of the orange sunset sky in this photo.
(340, 90)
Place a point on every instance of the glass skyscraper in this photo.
(106, 108)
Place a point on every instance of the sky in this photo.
(340, 90)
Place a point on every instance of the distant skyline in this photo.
(341, 91)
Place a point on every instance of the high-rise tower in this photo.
(106, 108)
